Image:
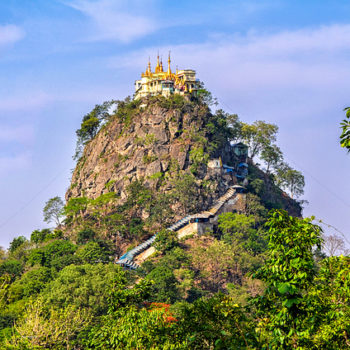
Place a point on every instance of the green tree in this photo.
(198, 158)
(12, 268)
(186, 192)
(235, 226)
(291, 180)
(2, 254)
(215, 323)
(91, 124)
(129, 325)
(218, 263)
(206, 96)
(288, 273)
(84, 287)
(164, 287)
(136, 328)
(100, 208)
(258, 136)
(92, 253)
(32, 282)
(53, 210)
(45, 327)
(272, 155)
(220, 128)
(345, 126)
(234, 125)
(75, 209)
(254, 207)
(240, 231)
(39, 236)
(56, 254)
(85, 235)
(16, 243)
(166, 240)
(328, 302)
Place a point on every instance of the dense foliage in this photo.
(345, 126)
(245, 286)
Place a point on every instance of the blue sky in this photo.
(286, 62)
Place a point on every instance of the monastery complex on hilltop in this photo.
(166, 83)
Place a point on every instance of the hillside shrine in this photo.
(166, 83)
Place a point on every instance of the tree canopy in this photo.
(345, 126)
(53, 210)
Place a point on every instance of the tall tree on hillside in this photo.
(272, 155)
(91, 124)
(345, 135)
(53, 210)
(290, 179)
(258, 136)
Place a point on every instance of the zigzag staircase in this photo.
(126, 260)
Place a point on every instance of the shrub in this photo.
(85, 235)
(11, 267)
(166, 240)
(92, 253)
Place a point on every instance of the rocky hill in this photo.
(157, 144)
(168, 146)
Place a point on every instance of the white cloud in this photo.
(113, 20)
(10, 34)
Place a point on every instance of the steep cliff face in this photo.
(167, 145)
(271, 196)
(159, 145)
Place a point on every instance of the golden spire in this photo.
(161, 65)
(149, 66)
(169, 69)
(156, 70)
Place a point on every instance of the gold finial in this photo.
(149, 66)
(161, 64)
(156, 70)
(169, 69)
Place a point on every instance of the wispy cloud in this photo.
(10, 34)
(24, 101)
(268, 69)
(298, 79)
(115, 19)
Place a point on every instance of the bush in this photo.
(165, 284)
(53, 254)
(11, 267)
(16, 243)
(31, 283)
(39, 236)
(92, 253)
(82, 286)
(85, 235)
(166, 240)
